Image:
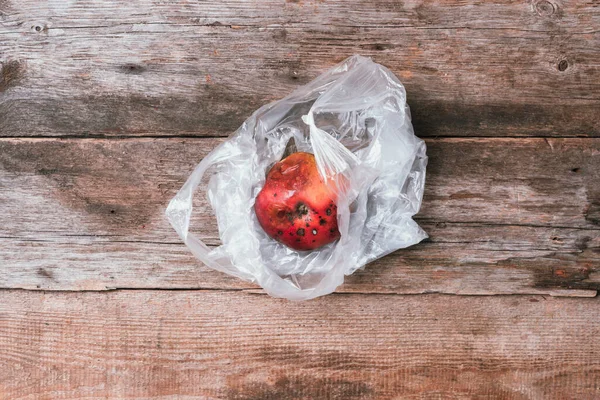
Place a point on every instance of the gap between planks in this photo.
(167, 136)
(569, 293)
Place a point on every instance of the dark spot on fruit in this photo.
(322, 221)
(307, 225)
(314, 231)
(313, 241)
(328, 211)
(112, 211)
(300, 232)
(297, 240)
(280, 214)
(332, 231)
(279, 233)
(274, 194)
(301, 209)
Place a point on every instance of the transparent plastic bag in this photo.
(355, 120)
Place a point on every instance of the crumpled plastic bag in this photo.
(355, 120)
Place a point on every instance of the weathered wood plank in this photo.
(504, 215)
(471, 68)
(217, 345)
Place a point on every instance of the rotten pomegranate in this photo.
(295, 207)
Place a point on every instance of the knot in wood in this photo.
(563, 65)
(544, 8)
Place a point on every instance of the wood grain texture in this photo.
(180, 68)
(504, 216)
(167, 78)
(236, 346)
(106, 106)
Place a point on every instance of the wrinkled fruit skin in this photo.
(295, 207)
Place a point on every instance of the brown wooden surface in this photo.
(504, 216)
(106, 106)
(471, 68)
(228, 345)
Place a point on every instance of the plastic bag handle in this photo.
(180, 207)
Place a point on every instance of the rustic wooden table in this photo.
(106, 106)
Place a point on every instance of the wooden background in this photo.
(106, 106)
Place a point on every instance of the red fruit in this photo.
(295, 207)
